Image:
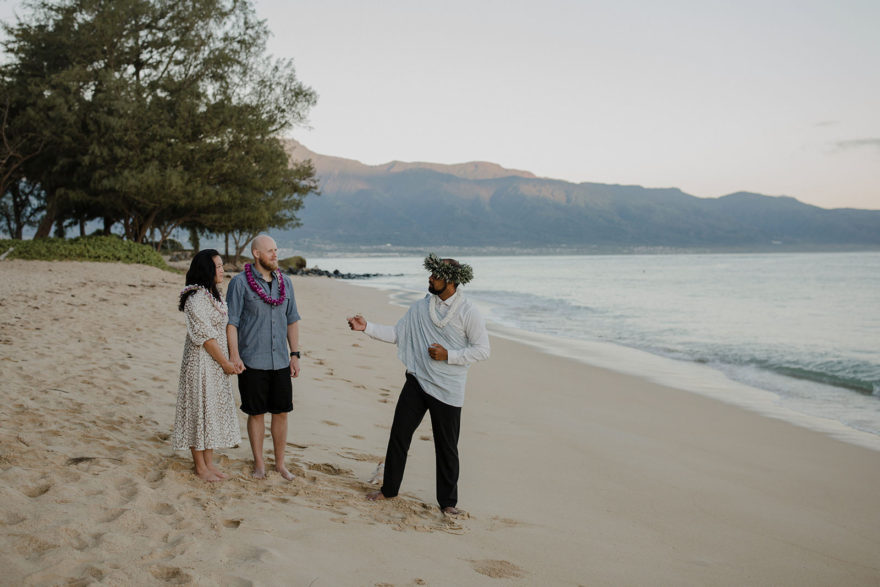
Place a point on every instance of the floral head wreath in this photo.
(458, 273)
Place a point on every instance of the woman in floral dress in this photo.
(206, 417)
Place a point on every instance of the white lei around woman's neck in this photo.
(219, 304)
(453, 310)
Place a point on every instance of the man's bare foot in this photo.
(375, 496)
(259, 472)
(285, 473)
(452, 511)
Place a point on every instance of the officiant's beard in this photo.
(432, 290)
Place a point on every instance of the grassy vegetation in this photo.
(88, 248)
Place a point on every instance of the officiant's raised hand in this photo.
(357, 323)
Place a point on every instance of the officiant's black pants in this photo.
(445, 423)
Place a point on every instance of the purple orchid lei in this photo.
(249, 274)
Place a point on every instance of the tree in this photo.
(267, 198)
(20, 207)
(141, 104)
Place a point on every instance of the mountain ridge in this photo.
(481, 204)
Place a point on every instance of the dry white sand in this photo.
(570, 474)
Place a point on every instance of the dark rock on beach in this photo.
(336, 273)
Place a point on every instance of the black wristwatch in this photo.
(295, 354)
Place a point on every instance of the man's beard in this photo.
(267, 265)
(433, 291)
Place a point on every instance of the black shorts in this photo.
(265, 391)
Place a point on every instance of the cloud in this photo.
(858, 144)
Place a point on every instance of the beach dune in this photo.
(571, 474)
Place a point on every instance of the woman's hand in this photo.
(229, 368)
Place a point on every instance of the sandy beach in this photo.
(571, 474)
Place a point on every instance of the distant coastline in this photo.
(310, 248)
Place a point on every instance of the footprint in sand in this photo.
(89, 572)
(329, 469)
(127, 489)
(33, 547)
(329, 423)
(231, 523)
(37, 490)
(358, 456)
(245, 553)
(164, 509)
(497, 569)
(160, 437)
(172, 575)
(154, 478)
(497, 523)
(11, 519)
(112, 515)
(73, 538)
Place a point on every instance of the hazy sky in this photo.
(771, 96)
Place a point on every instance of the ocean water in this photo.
(796, 336)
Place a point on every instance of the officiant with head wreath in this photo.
(438, 338)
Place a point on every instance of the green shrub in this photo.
(296, 262)
(87, 248)
(169, 245)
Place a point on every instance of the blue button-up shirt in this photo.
(262, 327)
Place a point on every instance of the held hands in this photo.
(437, 352)
(230, 368)
(357, 323)
(237, 366)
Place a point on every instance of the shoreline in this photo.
(571, 474)
(701, 379)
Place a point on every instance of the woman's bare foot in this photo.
(282, 470)
(208, 475)
(259, 473)
(375, 496)
(218, 472)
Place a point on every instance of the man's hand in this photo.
(437, 352)
(357, 323)
(237, 364)
(229, 368)
(294, 366)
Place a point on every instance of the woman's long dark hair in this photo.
(202, 271)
